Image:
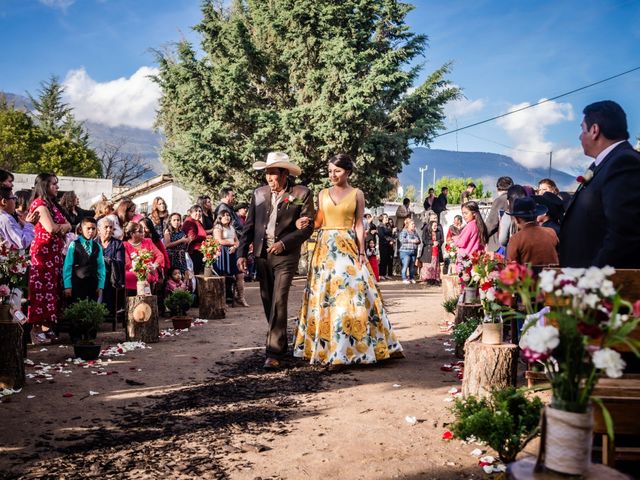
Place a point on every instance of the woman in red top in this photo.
(134, 242)
(150, 232)
(46, 257)
(194, 229)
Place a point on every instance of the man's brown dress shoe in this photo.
(271, 364)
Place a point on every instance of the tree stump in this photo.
(450, 286)
(11, 356)
(142, 319)
(211, 295)
(466, 311)
(487, 367)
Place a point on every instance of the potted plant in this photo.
(462, 331)
(486, 269)
(210, 250)
(178, 304)
(506, 420)
(85, 317)
(141, 265)
(572, 337)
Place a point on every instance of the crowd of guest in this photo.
(78, 253)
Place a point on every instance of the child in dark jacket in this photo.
(83, 272)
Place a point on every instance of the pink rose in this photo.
(4, 290)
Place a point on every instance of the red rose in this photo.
(591, 331)
(636, 308)
(486, 286)
(580, 179)
(447, 435)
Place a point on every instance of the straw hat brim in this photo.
(291, 167)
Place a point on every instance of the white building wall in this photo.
(176, 198)
(88, 190)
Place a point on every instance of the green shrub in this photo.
(450, 305)
(507, 420)
(179, 302)
(463, 330)
(85, 317)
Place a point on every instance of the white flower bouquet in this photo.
(574, 336)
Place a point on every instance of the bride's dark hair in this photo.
(342, 160)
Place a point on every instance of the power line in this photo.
(505, 146)
(539, 103)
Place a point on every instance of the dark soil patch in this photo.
(200, 431)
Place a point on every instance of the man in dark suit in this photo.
(271, 227)
(498, 207)
(602, 223)
(440, 204)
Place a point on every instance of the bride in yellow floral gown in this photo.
(342, 320)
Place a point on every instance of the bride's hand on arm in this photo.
(302, 223)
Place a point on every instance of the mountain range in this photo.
(477, 165)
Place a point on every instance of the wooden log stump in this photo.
(487, 367)
(466, 311)
(11, 356)
(211, 295)
(142, 319)
(450, 286)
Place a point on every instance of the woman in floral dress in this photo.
(342, 320)
(45, 288)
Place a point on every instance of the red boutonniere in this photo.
(291, 200)
(584, 179)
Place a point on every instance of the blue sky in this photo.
(504, 54)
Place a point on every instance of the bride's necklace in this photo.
(136, 244)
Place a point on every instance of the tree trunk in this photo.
(211, 295)
(450, 286)
(487, 367)
(11, 356)
(465, 311)
(142, 319)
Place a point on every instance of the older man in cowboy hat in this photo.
(271, 227)
(532, 244)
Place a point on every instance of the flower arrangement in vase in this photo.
(210, 251)
(142, 265)
(13, 267)
(451, 253)
(572, 337)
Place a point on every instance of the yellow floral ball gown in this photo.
(342, 320)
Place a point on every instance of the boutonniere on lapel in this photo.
(586, 177)
(291, 200)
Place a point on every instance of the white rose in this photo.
(607, 270)
(541, 338)
(607, 289)
(573, 273)
(590, 300)
(546, 280)
(592, 279)
(491, 294)
(609, 361)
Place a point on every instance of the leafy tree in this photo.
(62, 156)
(19, 138)
(458, 185)
(55, 117)
(410, 193)
(310, 77)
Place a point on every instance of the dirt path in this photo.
(199, 405)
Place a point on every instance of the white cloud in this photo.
(61, 4)
(528, 129)
(462, 107)
(125, 101)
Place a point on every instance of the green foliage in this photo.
(450, 304)
(463, 330)
(506, 421)
(85, 317)
(19, 139)
(458, 185)
(310, 77)
(179, 302)
(26, 148)
(410, 192)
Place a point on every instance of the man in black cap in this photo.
(532, 244)
(602, 223)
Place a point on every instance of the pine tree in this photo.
(310, 77)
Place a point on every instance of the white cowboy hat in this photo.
(278, 160)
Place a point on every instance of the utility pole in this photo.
(434, 178)
(422, 172)
(550, 160)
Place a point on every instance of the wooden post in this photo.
(211, 295)
(450, 286)
(11, 356)
(468, 310)
(142, 319)
(487, 367)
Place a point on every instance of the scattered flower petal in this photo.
(410, 420)
(447, 435)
